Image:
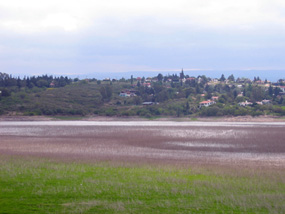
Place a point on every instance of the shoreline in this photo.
(174, 119)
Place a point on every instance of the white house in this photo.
(245, 103)
(206, 103)
(127, 93)
(264, 102)
(123, 94)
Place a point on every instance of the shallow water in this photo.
(205, 142)
(138, 123)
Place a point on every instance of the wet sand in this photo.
(220, 143)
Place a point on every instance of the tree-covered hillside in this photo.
(172, 95)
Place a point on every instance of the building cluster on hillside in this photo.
(246, 103)
(240, 84)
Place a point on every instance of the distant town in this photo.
(175, 95)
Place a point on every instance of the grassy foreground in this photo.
(41, 186)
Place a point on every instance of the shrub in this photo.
(109, 112)
(240, 112)
(256, 113)
(47, 111)
(5, 92)
(28, 113)
(148, 115)
(125, 113)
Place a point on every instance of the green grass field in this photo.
(44, 186)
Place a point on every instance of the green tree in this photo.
(106, 92)
(235, 94)
(182, 74)
(137, 100)
(162, 96)
(178, 110)
(5, 92)
(42, 83)
(209, 96)
(198, 89)
(222, 79)
(157, 87)
(257, 94)
(159, 77)
(187, 108)
(139, 84)
(189, 91)
(231, 78)
(19, 82)
(270, 90)
(276, 91)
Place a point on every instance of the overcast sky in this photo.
(83, 37)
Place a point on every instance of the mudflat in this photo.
(221, 143)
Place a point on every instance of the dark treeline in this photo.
(7, 80)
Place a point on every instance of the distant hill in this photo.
(177, 95)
